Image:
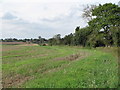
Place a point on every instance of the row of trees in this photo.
(38, 40)
(103, 28)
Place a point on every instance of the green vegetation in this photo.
(81, 65)
(59, 67)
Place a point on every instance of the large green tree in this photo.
(107, 16)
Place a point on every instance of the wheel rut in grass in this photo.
(77, 56)
(18, 80)
(71, 58)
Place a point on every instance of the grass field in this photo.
(58, 67)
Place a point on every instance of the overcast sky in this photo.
(33, 18)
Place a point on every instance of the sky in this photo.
(45, 18)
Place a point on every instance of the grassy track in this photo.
(58, 67)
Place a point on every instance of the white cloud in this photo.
(58, 1)
(9, 16)
(35, 11)
(45, 27)
(31, 18)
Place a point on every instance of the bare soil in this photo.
(29, 45)
(12, 43)
(15, 81)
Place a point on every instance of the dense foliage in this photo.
(102, 30)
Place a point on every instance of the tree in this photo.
(57, 39)
(40, 40)
(81, 36)
(87, 12)
(115, 35)
(96, 40)
(68, 39)
(107, 16)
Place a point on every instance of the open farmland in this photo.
(13, 43)
(58, 67)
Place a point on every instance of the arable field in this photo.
(58, 67)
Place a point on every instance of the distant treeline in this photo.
(37, 41)
(103, 29)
